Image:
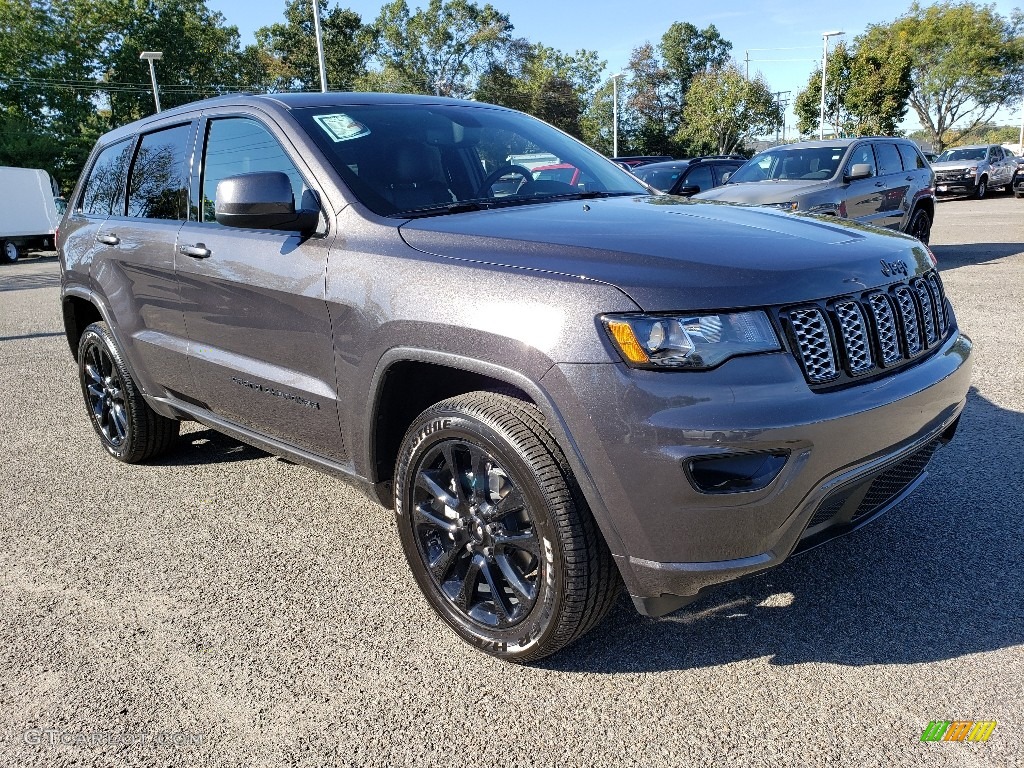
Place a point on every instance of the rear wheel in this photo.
(920, 225)
(10, 252)
(497, 535)
(128, 428)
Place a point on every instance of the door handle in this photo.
(197, 251)
(879, 183)
(108, 239)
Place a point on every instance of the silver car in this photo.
(974, 170)
(881, 181)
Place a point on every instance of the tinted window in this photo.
(103, 193)
(911, 157)
(237, 145)
(888, 158)
(159, 180)
(700, 177)
(862, 154)
(659, 178)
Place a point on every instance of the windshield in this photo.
(964, 153)
(424, 159)
(789, 163)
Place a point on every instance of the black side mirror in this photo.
(688, 189)
(262, 200)
(859, 171)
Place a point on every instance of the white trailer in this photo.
(28, 215)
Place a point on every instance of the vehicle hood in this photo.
(761, 192)
(671, 253)
(955, 165)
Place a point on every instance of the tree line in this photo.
(70, 70)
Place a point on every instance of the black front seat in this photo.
(417, 179)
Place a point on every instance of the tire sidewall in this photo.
(918, 214)
(982, 188)
(542, 623)
(10, 248)
(97, 335)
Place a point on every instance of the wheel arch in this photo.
(80, 309)
(397, 397)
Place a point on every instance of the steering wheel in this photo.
(497, 173)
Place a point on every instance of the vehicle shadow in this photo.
(963, 254)
(207, 446)
(936, 578)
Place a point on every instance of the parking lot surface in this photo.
(221, 607)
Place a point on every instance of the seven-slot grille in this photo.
(857, 335)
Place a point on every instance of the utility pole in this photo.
(319, 46)
(615, 114)
(746, 56)
(783, 105)
(824, 77)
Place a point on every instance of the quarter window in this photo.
(103, 193)
(888, 158)
(238, 145)
(159, 179)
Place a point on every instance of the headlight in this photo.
(790, 206)
(970, 171)
(689, 341)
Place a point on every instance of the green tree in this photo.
(807, 105)
(651, 118)
(290, 48)
(688, 51)
(556, 87)
(967, 62)
(442, 49)
(724, 110)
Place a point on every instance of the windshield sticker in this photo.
(341, 127)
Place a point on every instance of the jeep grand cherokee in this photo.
(560, 388)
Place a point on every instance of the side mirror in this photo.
(262, 200)
(726, 176)
(859, 171)
(688, 189)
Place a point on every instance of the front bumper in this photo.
(956, 187)
(635, 429)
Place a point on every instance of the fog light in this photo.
(736, 473)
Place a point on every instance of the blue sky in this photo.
(613, 29)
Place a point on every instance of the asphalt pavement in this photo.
(221, 607)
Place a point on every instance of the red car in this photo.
(567, 174)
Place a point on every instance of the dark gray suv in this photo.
(559, 387)
(882, 181)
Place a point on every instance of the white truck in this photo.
(28, 214)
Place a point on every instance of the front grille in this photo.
(863, 334)
(951, 176)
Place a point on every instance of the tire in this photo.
(128, 428)
(982, 188)
(10, 252)
(526, 530)
(920, 225)
(1018, 195)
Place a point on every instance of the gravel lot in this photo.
(237, 610)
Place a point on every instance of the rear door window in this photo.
(889, 160)
(911, 157)
(158, 188)
(103, 194)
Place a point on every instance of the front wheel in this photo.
(128, 428)
(920, 225)
(497, 535)
(982, 188)
(10, 252)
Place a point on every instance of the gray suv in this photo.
(881, 181)
(560, 388)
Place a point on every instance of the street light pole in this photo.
(824, 77)
(615, 114)
(319, 46)
(152, 56)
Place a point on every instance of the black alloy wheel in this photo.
(496, 532)
(921, 225)
(128, 428)
(476, 534)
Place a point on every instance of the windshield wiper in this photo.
(442, 210)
